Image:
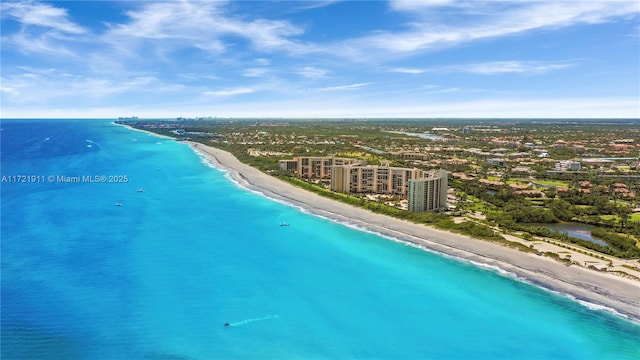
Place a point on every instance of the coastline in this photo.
(591, 288)
(595, 290)
(143, 131)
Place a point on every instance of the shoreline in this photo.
(142, 131)
(593, 289)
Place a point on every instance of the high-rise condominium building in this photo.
(428, 193)
(351, 179)
(310, 167)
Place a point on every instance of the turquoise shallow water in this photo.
(159, 276)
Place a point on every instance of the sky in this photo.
(317, 59)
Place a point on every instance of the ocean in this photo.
(117, 244)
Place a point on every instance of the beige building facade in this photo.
(311, 167)
(428, 193)
(425, 190)
(351, 179)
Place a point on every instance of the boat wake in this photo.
(244, 322)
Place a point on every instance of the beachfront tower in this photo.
(428, 193)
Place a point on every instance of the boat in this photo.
(119, 204)
(284, 224)
(141, 190)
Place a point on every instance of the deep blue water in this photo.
(158, 277)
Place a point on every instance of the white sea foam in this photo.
(239, 181)
(494, 268)
(590, 305)
(208, 160)
(245, 185)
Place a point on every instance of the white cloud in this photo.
(444, 91)
(493, 68)
(193, 76)
(177, 24)
(42, 43)
(501, 67)
(271, 35)
(313, 72)
(504, 67)
(8, 90)
(317, 4)
(416, 5)
(42, 15)
(622, 107)
(497, 20)
(332, 106)
(169, 20)
(203, 25)
(262, 62)
(346, 87)
(255, 72)
(44, 28)
(408, 70)
(41, 86)
(229, 92)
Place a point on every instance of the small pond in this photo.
(580, 231)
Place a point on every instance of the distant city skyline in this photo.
(319, 59)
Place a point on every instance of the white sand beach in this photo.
(598, 288)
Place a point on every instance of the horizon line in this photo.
(314, 118)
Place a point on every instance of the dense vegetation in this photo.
(624, 245)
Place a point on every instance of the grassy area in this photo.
(478, 205)
(517, 182)
(473, 198)
(355, 154)
(552, 183)
(632, 217)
